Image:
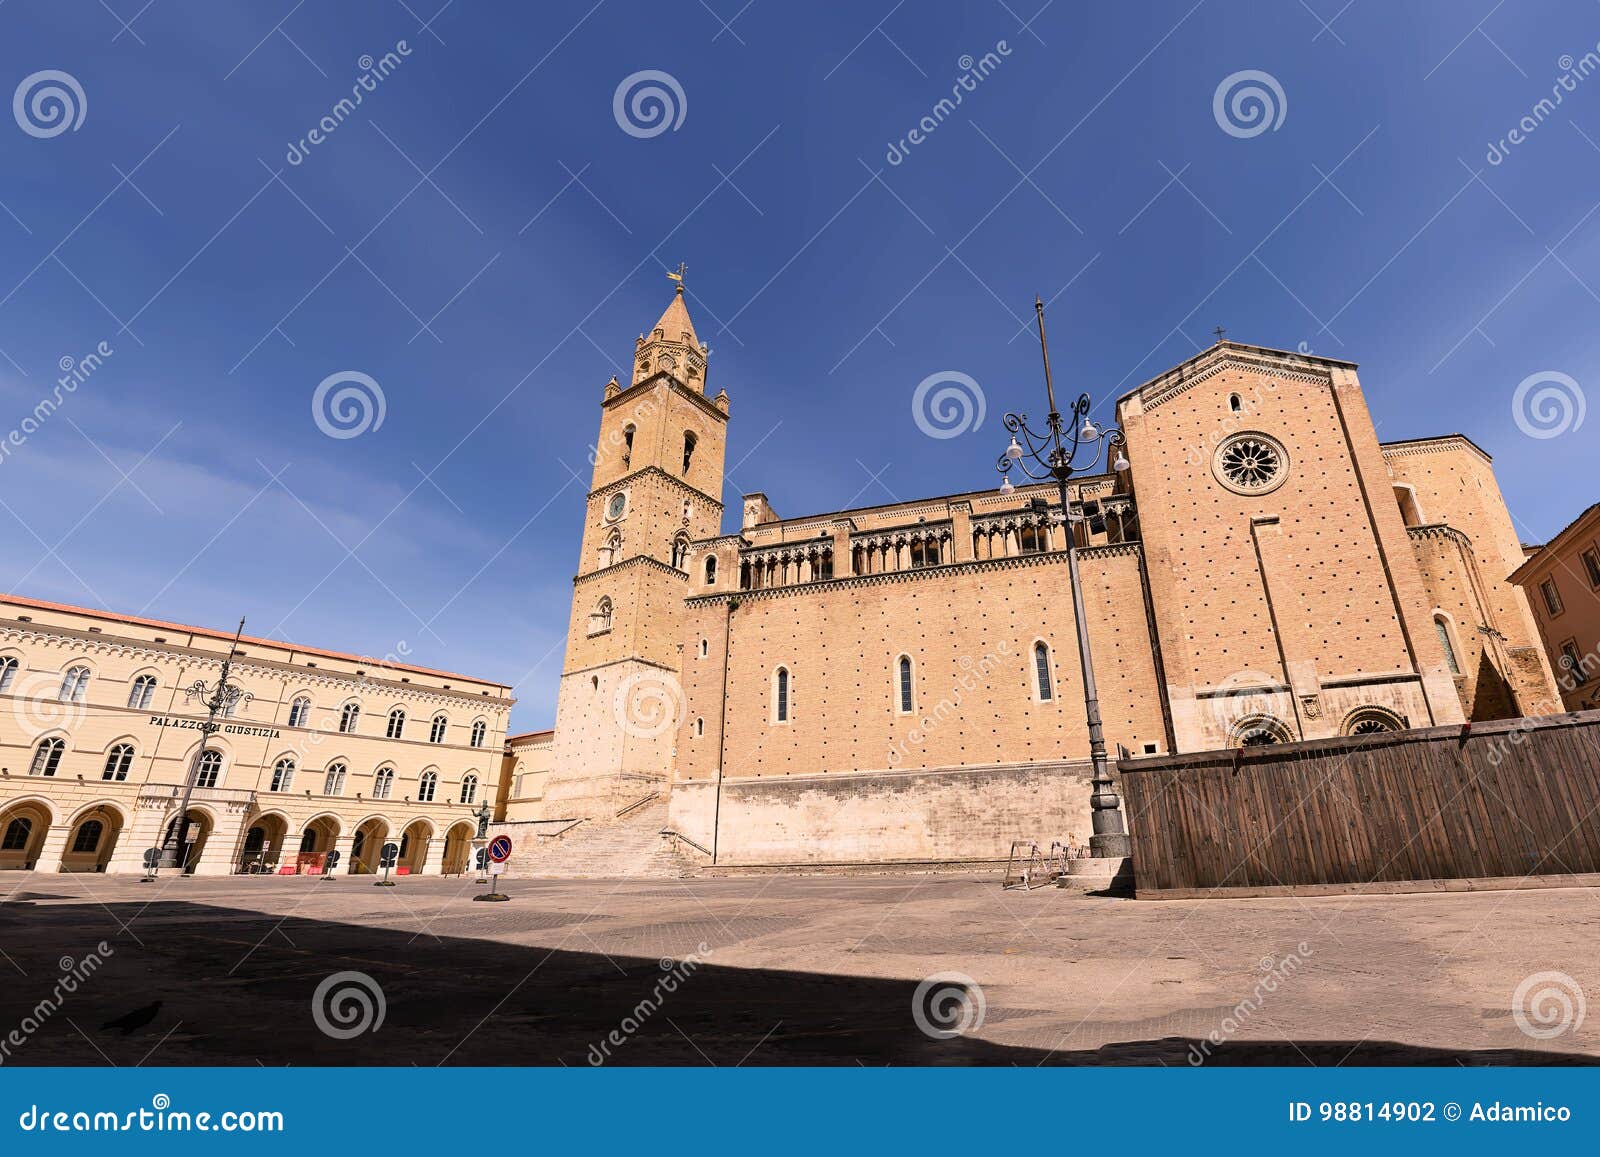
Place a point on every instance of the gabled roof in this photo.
(1289, 359)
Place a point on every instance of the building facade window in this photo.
(469, 788)
(282, 775)
(17, 833)
(1591, 567)
(1552, 596)
(427, 786)
(1450, 659)
(397, 724)
(209, 770)
(1044, 684)
(333, 779)
(1259, 731)
(383, 783)
(1250, 463)
(1572, 662)
(47, 757)
(627, 445)
(711, 569)
(8, 672)
(780, 695)
(348, 715)
(74, 685)
(905, 691)
(479, 731)
(118, 762)
(299, 712)
(1372, 721)
(600, 618)
(142, 692)
(689, 443)
(88, 837)
(437, 729)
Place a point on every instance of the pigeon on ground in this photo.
(130, 1022)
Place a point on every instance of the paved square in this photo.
(784, 970)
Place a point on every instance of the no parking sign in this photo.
(500, 849)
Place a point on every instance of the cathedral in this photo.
(900, 683)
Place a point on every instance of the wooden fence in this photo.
(1509, 803)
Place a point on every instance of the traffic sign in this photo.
(387, 855)
(152, 857)
(500, 849)
(330, 861)
(482, 859)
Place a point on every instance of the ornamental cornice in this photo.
(1442, 445)
(1109, 550)
(694, 396)
(622, 483)
(637, 560)
(295, 675)
(1440, 530)
(1267, 363)
(915, 574)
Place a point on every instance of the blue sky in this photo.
(483, 239)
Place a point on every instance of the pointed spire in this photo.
(675, 324)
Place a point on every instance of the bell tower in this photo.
(655, 489)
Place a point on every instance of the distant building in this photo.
(332, 751)
(900, 683)
(1562, 582)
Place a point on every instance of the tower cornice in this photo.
(622, 482)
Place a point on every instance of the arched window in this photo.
(906, 698)
(689, 443)
(1450, 659)
(469, 788)
(333, 780)
(383, 783)
(8, 672)
(780, 695)
(1031, 539)
(282, 775)
(680, 551)
(234, 699)
(437, 730)
(611, 552)
(705, 647)
(299, 712)
(699, 727)
(479, 730)
(17, 833)
(348, 715)
(47, 757)
(711, 569)
(627, 444)
(1235, 404)
(1372, 721)
(210, 769)
(1043, 683)
(74, 685)
(142, 692)
(1259, 731)
(118, 760)
(88, 837)
(397, 723)
(427, 786)
(600, 619)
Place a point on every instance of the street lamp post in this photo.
(223, 699)
(1055, 451)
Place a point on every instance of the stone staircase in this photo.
(629, 846)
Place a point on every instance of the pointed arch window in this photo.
(348, 715)
(118, 761)
(479, 731)
(437, 729)
(711, 570)
(1041, 672)
(383, 783)
(627, 444)
(47, 757)
(282, 775)
(1450, 659)
(780, 695)
(300, 712)
(8, 672)
(905, 691)
(680, 551)
(600, 617)
(427, 786)
(209, 769)
(142, 692)
(397, 723)
(469, 788)
(689, 443)
(333, 779)
(74, 685)
(611, 552)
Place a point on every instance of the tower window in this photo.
(780, 695)
(1235, 404)
(627, 445)
(907, 698)
(1041, 672)
(1450, 659)
(680, 551)
(600, 619)
(711, 569)
(689, 443)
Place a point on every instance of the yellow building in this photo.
(1562, 582)
(99, 733)
(901, 683)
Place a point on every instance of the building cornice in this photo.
(636, 560)
(1186, 375)
(917, 574)
(1442, 444)
(621, 483)
(640, 388)
(1440, 530)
